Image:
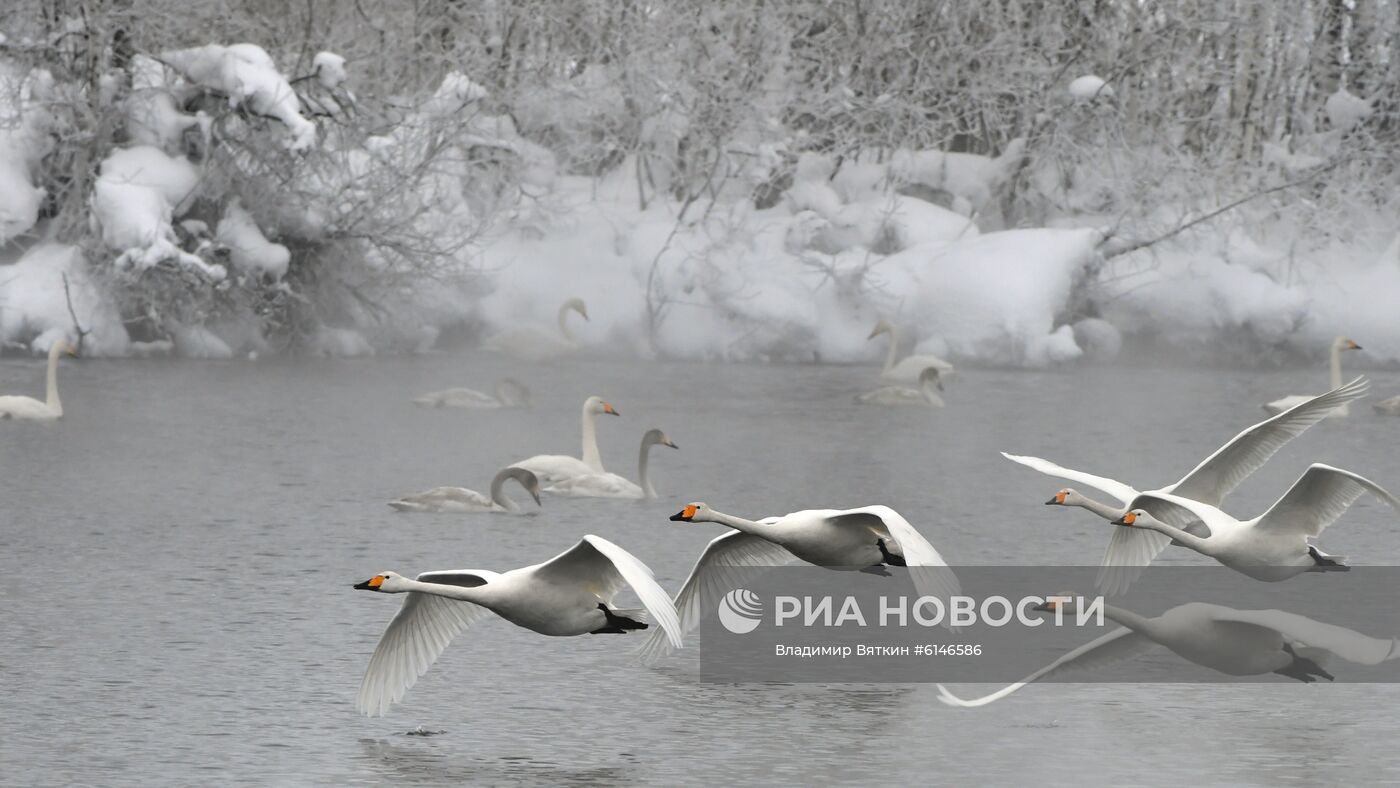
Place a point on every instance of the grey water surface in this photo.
(178, 555)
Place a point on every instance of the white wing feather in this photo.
(1317, 499)
(1117, 489)
(594, 560)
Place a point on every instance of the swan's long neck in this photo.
(591, 457)
(1097, 507)
(51, 396)
(564, 324)
(476, 595)
(893, 349)
(498, 493)
(1199, 544)
(737, 523)
(642, 478)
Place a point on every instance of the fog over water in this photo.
(180, 551)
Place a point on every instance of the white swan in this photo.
(1273, 546)
(533, 343)
(1339, 345)
(1388, 407)
(1214, 478)
(866, 539)
(611, 485)
(460, 499)
(30, 409)
(570, 594)
(1233, 642)
(554, 468)
(926, 395)
(909, 368)
(510, 393)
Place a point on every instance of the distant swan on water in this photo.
(460, 499)
(926, 395)
(611, 485)
(30, 409)
(1233, 642)
(1339, 346)
(1130, 549)
(554, 468)
(510, 393)
(533, 343)
(570, 594)
(910, 367)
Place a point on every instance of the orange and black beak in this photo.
(610, 410)
(1353, 346)
(1127, 519)
(1058, 500)
(684, 515)
(371, 584)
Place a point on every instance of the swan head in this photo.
(1061, 601)
(64, 347)
(577, 305)
(527, 479)
(690, 512)
(385, 582)
(597, 406)
(1066, 497)
(656, 437)
(1137, 518)
(882, 327)
(1342, 343)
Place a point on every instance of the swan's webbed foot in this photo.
(616, 625)
(1302, 668)
(888, 558)
(1322, 562)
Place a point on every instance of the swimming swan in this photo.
(533, 343)
(1233, 642)
(554, 468)
(909, 368)
(611, 485)
(1214, 478)
(1273, 546)
(1338, 345)
(30, 409)
(865, 539)
(570, 594)
(460, 499)
(510, 393)
(926, 395)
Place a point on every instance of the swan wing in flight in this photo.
(604, 568)
(931, 574)
(416, 636)
(717, 571)
(1317, 499)
(1222, 472)
(1117, 489)
(1120, 644)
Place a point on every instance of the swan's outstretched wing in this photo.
(414, 639)
(1222, 472)
(717, 571)
(604, 568)
(1131, 550)
(930, 573)
(1117, 489)
(1301, 631)
(1317, 499)
(1120, 644)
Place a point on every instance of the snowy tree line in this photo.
(353, 157)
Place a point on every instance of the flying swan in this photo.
(570, 594)
(1233, 642)
(460, 499)
(926, 395)
(30, 409)
(611, 485)
(1338, 345)
(865, 539)
(510, 393)
(1273, 546)
(554, 468)
(1129, 550)
(910, 367)
(533, 343)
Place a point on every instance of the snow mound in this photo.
(971, 176)
(1089, 88)
(175, 178)
(1346, 111)
(330, 69)
(249, 249)
(33, 304)
(132, 208)
(24, 141)
(246, 73)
